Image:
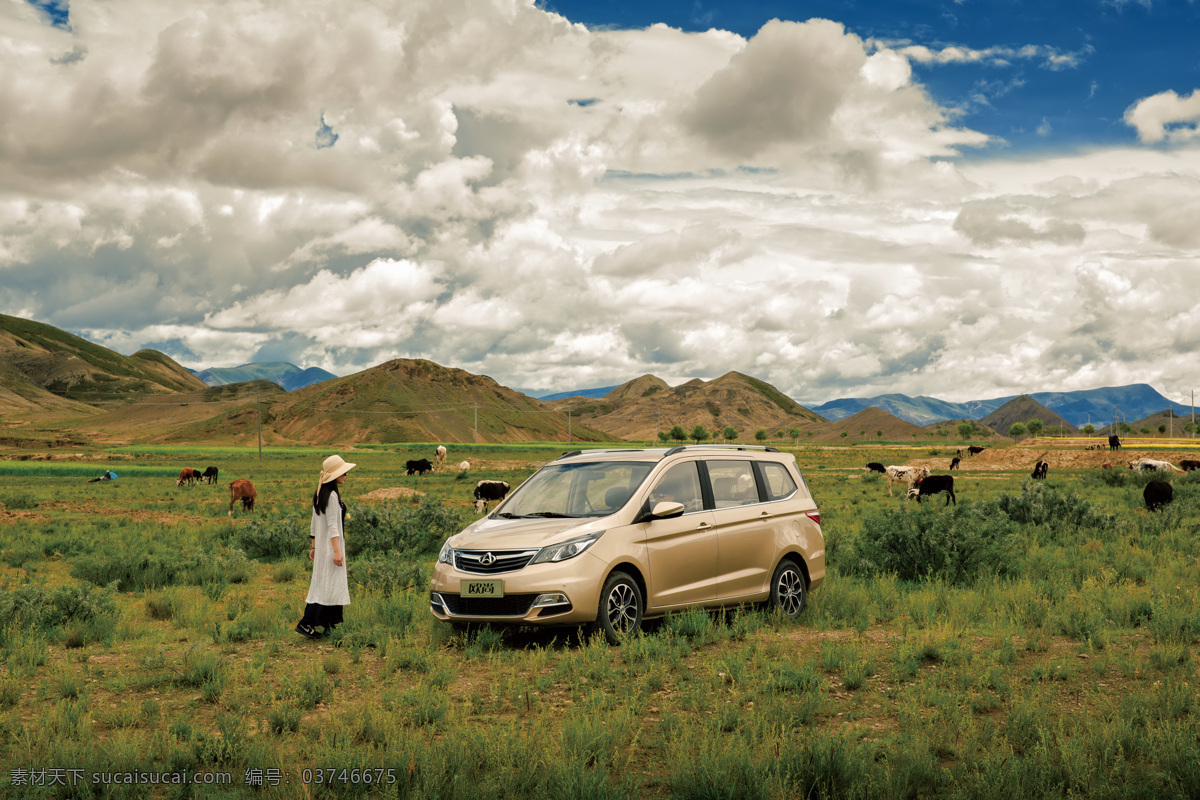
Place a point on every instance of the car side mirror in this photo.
(666, 510)
(663, 510)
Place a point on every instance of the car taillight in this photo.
(815, 516)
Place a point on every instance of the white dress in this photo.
(329, 586)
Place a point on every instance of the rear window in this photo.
(779, 481)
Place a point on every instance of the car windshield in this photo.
(594, 489)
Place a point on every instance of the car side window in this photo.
(679, 484)
(732, 483)
(779, 481)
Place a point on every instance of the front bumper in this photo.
(542, 594)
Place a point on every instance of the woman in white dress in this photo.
(329, 590)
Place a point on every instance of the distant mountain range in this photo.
(1097, 406)
(289, 376)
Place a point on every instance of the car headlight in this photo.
(447, 554)
(564, 550)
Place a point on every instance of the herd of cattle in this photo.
(240, 489)
(486, 491)
(919, 480)
(921, 483)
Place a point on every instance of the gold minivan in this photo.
(607, 538)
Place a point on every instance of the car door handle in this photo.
(765, 515)
(703, 526)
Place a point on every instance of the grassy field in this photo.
(1038, 639)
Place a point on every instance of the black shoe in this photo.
(307, 630)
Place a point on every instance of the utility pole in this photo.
(258, 412)
(568, 426)
(477, 423)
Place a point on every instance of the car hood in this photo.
(521, 534)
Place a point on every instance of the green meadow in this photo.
(1037, 639)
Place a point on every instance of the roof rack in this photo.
(609, 450)
(681, 448)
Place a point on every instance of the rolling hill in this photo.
(639, 409)
(1023, 409)
(45, 368)
(417, 400)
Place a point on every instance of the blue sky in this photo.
(957, 200)
(1121, 51)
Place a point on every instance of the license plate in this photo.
(492, 588)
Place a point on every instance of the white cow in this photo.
(441, 454)
(464, 466)
(1151, 465)
(910, 475)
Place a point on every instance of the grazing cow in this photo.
(210, 475)
(974, 449)
(187, 475)
(1114, 443)
(1106, 465)
(463, 466)
(932, 484)
(440, 454)
(875, 466)
(418, 467)
(910, 475)
(1187, 465)
(1152, 465)
(487, 491)
(242, 490)
(1040, 469)
(1157, 494)
(955, 461)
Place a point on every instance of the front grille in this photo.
(501, 560)
(512, 605)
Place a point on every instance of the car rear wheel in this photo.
(620, 612)
(788, 589)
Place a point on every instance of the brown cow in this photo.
(242, 490)
(187, 475)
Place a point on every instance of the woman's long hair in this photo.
(321, 496)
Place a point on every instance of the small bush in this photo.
(263, 538)
(403, 529)
(956, 545)
(14, 501)
(283, 718)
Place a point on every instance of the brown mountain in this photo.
(870, 424)
(1022, 409)
(639, 409)
(416, 400)
(41, 360)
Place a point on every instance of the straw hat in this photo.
(334, 467)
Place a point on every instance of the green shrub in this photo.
(404, 529)
(263, 538)
(18, 500)
(1042, 504)
(956, 545)
(389, 573)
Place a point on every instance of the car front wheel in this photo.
(788, 589)
(620, 612)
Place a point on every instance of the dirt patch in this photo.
(13, 516)
(392, 493)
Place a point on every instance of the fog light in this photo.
(437, 602)
(553, 599)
